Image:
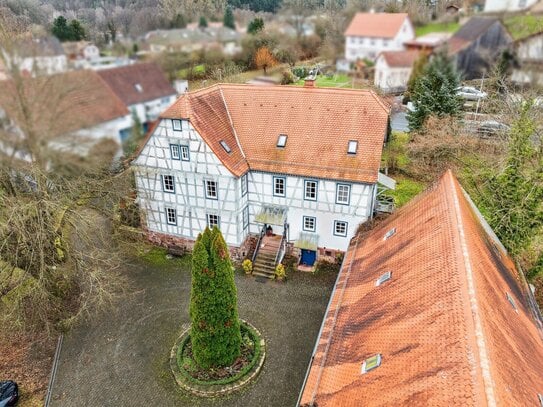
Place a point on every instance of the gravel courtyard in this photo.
(121, 359)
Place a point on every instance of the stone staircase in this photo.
(264, 264)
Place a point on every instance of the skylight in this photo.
(371, 363)
(282, 140)
(225, 146)
(385, 277)
(511, 301)
(138, 87)
(390, 233)
(353, 146)
(540, 397)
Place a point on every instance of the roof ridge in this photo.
(461, 243)
(231, 123)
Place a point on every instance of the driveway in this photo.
(398, 121)
(121, 359)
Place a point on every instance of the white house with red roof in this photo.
(369, 34)
(300, 163)
(393, 69)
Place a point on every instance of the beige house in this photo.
(393, 69)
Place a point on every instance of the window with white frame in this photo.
(309, 223)
(168, 183)
(310, 189)
(352, 147)
(343, 194)
(175, 152)
(171, 216)
(176, 124)
(340, 228)
(185, 155)
(279, 186)
(213, 220)
(244, 184)
(211, 189)
(246, 217)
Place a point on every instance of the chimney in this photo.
(309, 81)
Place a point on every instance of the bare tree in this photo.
(57, 262)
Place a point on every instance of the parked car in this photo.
(470, 93)
(492, 127)
(9, 393)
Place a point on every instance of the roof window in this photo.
(138, 87)
(540, 398)
(390, 233)
(371, 363)
(352, 147)
(385, 277)
(282, 140)
(225, 146)
(511, 301)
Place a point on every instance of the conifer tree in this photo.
(202, 23)
(215, 334)
(228, 20)
(435, 92)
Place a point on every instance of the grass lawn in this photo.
(406, 189)
(523, 26)
(336, 81)
(436, 27)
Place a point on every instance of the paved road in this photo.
(121, 359)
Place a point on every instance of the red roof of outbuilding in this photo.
(379, 25)
(443, 323)
(319, 123)
(400, 59)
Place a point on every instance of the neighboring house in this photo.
(77, 110)
(428, 310)
(529, 56)
(452, 9)
(143, 88)
(393, 69)
(193, 39)
(493, 6)
(302, 160)
(477, 45)
(81, 54)
(38, 56)
(369, 34)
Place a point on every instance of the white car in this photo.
(470, 93)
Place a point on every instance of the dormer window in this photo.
(225, 146)
(282, 140)
(138, 87)
(352, 147)
(371, 363)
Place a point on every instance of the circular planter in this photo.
(222, 387)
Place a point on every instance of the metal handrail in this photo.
(282, 246)
(258, 243)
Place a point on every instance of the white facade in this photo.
(369, 47)
(529, 53)
(390, 78)
(508, 5)
(47, 65)
(150, 110)
(91, 52)
(239, 199)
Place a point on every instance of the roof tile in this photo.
(378, 25)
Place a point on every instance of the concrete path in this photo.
(121, 359)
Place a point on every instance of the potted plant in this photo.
(247, 266)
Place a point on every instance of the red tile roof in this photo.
(400, 59)
(64, 102)
(319, 123)
(150, 78)
(379, 25)
(443, 324)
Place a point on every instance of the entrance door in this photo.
(308, 257)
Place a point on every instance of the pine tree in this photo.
(416, 72)
(215, 334)
(77, 32)
(435, 92)
(179, 21)
(203, 22)
(228, 20)
(255, 26)
(60, 29)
